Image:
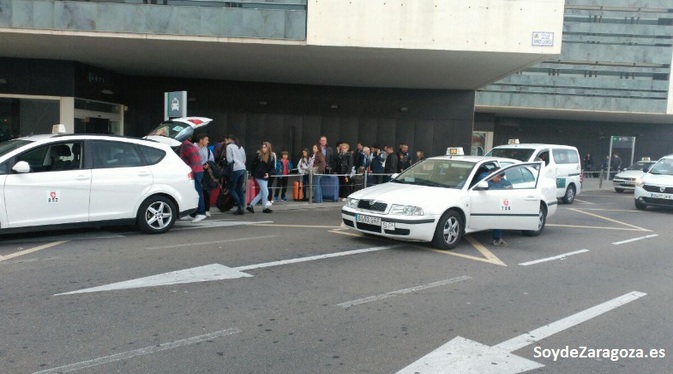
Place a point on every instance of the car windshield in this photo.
(437, 173)
(10, 145)
(663, 167)
(520, 154)
(641, 165)
(171, 129)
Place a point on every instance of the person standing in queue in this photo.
(235, 153)
(319, 169)
(262, 168)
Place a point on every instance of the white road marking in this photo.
(318, 257)
(402, 292)
(461, 355)
(31, 250)
(139, 352)
(207, 224)
(559, 257)
(212, 272)
(213, 242)
(635, 239)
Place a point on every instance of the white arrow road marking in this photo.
(635, 239)
(139, 352)
(462, 355)
(559, 257)
(212, 272)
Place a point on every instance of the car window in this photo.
(53, 157)
(437, 173)
(663, 167)
(565, 156)
(522, 177)
(521, 154)
(108, 154)
(152, 155)
(10, 145)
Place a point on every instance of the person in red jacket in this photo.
(189, 153)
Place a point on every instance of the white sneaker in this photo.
(199, 218)
(186, 218)
(269, 203)
(207, 214)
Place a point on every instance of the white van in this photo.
(563, 164)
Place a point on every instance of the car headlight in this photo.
(352, 203)
(406, 210)
(639, 182)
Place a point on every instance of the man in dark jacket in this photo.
(390, 166)
(404, 158)
(377, 165)
(330, 158)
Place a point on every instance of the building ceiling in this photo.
(267, 60)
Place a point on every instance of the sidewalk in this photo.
(594, 184)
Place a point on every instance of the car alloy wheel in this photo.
(449, 230)
(542, 220)
(569, 197)
(157, 215)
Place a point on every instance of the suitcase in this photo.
(297, 191)
(251, 190)
(330, 187)
(214, 193)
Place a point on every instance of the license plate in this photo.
(376, 221)
(388, 225)
(664, 196)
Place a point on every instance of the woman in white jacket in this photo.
(304, 165)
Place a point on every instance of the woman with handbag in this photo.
(319, 166)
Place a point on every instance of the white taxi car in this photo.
(626, 180)
(655, 188)
(442, 198)
(49, 181)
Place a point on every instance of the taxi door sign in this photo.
(505, 205)
(53, 196)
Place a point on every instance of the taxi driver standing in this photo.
(498, 182)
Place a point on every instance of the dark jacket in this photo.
(259, 167)
(344, 163)
(391, 164)
(330, 160)
(377, 162)
(403, 161)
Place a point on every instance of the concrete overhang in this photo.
(267, 60)
(575, 115)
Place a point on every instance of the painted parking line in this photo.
(635, 239)
(31, 250)
(139, 352)
(610, 220)
(390, 294)
(213, 242)
(559, 257)
(488, 256)
(593, 227)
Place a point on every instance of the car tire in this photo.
(449, 231)
(157, 215)
(569, 196)
(620, 190)
(542, 221)
(640, 206)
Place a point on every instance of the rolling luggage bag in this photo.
(297, 191)
(251, 190)
(330, 187)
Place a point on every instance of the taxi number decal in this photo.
(53, 196)
(505, 205)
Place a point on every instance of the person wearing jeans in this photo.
(319, 169)
(262, 168)
(236, 155)
(189, 153)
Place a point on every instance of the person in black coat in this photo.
(344, 168)
(391, 164)
(263, 167)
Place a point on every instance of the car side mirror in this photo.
(481, 186)
(394, 175)
(646, 169)
(21, 167)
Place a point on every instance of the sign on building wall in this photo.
(543, 39)
(175, 104)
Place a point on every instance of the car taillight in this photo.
(190, 176)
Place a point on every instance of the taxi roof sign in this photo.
(58, 129)
(513, 141)
(645, 159)
(455, 151)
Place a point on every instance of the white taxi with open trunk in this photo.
(442, 198)
(56, 180)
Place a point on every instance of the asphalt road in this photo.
(295, 292)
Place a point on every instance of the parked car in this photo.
(52, 181)
(626, 180)
(442, 198)
(562, 162)
(655, 188)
